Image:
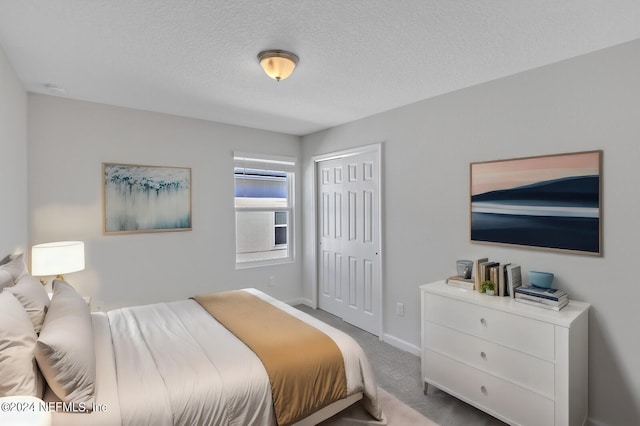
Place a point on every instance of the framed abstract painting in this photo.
(547, 202)
(145, 198)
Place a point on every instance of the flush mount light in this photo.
(278, 64)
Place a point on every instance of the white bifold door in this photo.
(349, 281)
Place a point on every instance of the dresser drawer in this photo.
(520, 333)
(500, 398)
(529, 372)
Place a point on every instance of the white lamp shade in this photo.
(62, 257)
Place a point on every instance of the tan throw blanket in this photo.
(304, 365)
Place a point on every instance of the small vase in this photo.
(490, 292)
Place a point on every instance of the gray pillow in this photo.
(18, 368)
(6, 280)
(64, 350)
(33, 297)
(15, 266)
(6, 277)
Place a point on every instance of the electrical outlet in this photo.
(272, 281)
(400, 309)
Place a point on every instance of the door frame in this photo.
(317, 159)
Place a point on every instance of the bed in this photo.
(174, 363)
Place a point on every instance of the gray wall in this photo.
(69, 140)
(589, 102)
(13, 156)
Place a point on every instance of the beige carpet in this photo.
(396, 413)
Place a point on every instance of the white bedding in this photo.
(172, 363)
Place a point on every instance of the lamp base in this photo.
(58, 277)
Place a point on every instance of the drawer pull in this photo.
(483, 321)
(483, 390)
(483, 355)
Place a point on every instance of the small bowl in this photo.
(541, 279)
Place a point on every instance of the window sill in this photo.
(264, 262)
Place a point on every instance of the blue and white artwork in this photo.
(146, 198)
(548, 202)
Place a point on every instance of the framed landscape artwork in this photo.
(145, 198)
(547, 202)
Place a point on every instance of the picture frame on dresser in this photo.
(549, 202)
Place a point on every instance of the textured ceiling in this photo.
(197, 58)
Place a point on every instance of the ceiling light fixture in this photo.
(278, 64)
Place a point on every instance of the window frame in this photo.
(270, 163)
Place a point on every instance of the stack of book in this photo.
(505, 276)
(461, 282)
(548, 298)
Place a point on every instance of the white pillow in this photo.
(6, 277)
(6, 280)
(64, 350)
(18, 368)
(31, 293)
(15, 266)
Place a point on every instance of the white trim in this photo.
(300, 301)
(377, 148)
(387, 338)
(593, 422)
(265, 262)
(265, 161)
(264, 158)
(347, 152)
(403, 345)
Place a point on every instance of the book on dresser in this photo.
(548, 298)
(461, 282)
(547, 293)
(495, 272)
(503, 284)
(485, 272)
(542, 302)
(514, 279)
(476, 268)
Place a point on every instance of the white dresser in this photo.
(522, 364)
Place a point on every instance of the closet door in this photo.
(349, 241)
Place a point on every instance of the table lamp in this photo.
(58, 258)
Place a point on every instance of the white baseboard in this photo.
(300, 301)
(593, 422)
(388, 338)
(401, 344)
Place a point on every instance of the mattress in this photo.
(172, 363)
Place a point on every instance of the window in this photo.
(263, 188)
